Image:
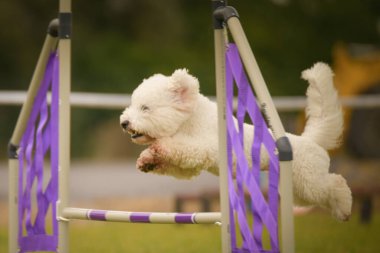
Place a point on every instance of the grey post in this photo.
(220, 70)
(64, 51)
(230, 17)
(49, 46)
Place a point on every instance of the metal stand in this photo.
(64, 51)
(50, 44)
(220, 70)
(226, 16)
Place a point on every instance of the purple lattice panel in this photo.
(38, 229)
(251, 217)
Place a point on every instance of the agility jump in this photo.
(42, 131)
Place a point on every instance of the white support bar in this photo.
(220, 70)
(286, 202)
(64, 51)
(13, 206)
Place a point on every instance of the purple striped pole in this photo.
(185, 218)
(96, 215)
(141, 217)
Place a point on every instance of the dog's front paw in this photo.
(148, 161)
(148, 167)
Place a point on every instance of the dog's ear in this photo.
(185, 88)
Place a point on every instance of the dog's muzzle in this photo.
(126, 128)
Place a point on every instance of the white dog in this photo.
(180, 126)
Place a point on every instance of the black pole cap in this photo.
(53, 27)
(284, 148)
(222, 14)
(12, 151)
(65, 25)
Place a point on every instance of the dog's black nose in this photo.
(124, 124)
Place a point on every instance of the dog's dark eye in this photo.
(144, 108)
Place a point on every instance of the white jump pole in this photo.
(64, 51)
(220, 70)
(142, 217)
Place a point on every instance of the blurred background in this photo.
(117, 43)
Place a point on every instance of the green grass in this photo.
(146, 238)
(320, 233)
(315, 232)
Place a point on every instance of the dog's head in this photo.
(159, 106)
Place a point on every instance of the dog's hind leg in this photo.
(340, 200)
(314, 184)
(326, 190)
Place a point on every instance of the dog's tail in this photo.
(323, 111)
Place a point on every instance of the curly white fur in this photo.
(324, 112)
(180, 126)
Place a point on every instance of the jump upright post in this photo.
(64, 52)
(15, 171)
(226, 19)
(41, 131)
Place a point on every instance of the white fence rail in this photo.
(117, 101)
